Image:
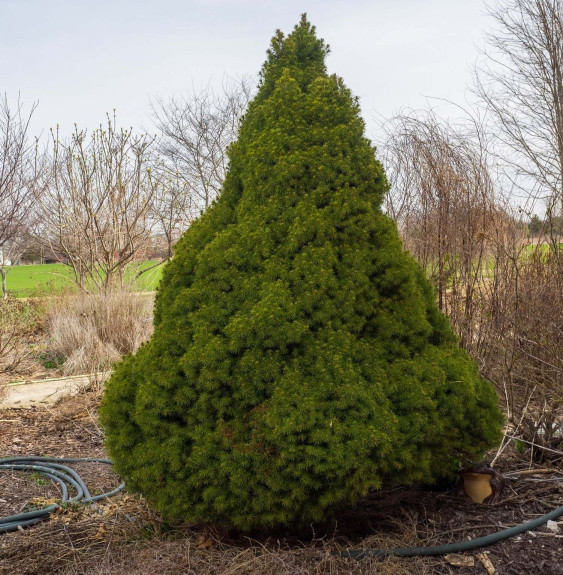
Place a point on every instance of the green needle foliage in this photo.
(298, 356)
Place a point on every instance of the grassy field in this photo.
(46, 279)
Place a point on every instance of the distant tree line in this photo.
(550, 225)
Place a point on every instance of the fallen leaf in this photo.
(487, 563)
(203, 542)
(460, 560)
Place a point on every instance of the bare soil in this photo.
(124, 537)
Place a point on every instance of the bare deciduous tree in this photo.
(195, 132)
(96, 202)
(17, 174)
(520, 80)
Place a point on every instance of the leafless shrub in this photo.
(90, 332)
(519, 322)
(442, 198)
(519, 82)
(18, 321)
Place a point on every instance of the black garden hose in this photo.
(453, 547)
(65, 476)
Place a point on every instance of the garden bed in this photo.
(124, 536)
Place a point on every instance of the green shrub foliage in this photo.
(298, 356)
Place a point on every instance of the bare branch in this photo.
(520, 82)
(196, 131)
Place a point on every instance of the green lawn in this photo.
(47, 279)
(545, 248)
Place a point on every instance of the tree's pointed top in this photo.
(301, 52)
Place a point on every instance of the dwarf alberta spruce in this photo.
(298, 356)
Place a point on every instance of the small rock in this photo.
(552, 526)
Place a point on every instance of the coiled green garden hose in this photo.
(65, 476)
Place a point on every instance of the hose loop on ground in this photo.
(454, 547)
(53, 468)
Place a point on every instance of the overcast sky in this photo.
(81, 59)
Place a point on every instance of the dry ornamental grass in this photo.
(90, 332)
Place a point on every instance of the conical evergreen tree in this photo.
(298, 356)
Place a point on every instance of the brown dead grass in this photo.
(124, 537)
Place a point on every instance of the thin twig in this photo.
(558, 452)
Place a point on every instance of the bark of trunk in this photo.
(4, 273)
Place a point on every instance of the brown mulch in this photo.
(124, 537)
